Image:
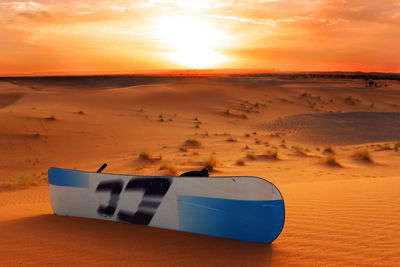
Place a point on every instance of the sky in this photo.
(98, 36)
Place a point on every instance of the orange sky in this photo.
(51, 36)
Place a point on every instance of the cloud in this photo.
(248, 20)
(36, 15)
(21, 6)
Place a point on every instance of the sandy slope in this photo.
(351, 223)
(344, 215)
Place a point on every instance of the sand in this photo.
(337, 214)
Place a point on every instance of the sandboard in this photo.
(241, 208)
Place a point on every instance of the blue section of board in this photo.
(70, 178)
(247, 220)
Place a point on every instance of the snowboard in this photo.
(243, 208)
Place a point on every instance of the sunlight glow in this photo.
(190, 41)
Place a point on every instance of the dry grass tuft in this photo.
(210, 163)
(25, 180)
(362, 154)
(192, 143)
(147, 157)
(172, 170)
(273, 154)
(396, 146)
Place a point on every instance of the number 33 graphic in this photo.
(154, 190)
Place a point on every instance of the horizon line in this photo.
(188, 72)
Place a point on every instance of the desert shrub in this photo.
(172, 170)
(52, 117)
(272, 154)
(329, 150)
(277, 134)
(144, 155)
(283, 144)
(331, 160)
(140, 167)
(210, 163)
(192, 143)
(240, 162)
(305, 94)
(362, 154)
(351, 100)
(250, 155)
(299, 150)
(231, 139)
(383, 147)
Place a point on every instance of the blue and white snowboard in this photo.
(242, 208)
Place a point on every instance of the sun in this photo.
(190, 41)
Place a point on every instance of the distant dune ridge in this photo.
(341, 128)
(330, 142)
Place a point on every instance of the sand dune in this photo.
(351, 222)
(286, 130)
